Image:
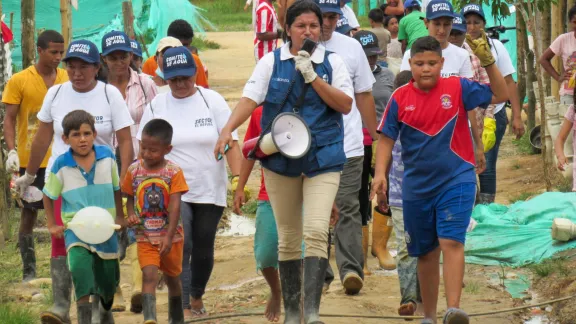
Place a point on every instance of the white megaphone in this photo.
(93, 225)
(289, 135)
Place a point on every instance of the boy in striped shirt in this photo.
(86, 175)
(266, 29)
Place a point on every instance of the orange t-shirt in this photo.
(149, 67)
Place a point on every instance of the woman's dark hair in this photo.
(301, 7)
(572, 12)
(387, 20)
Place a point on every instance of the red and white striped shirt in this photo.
(266, 22)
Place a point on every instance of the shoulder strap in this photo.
(106, 92)
(57, 90)
(142, 87)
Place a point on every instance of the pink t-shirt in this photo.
(570, 114)
(565, 47)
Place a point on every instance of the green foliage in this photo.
(249, 209)
(226, 15)
(523, 144)
(557, 266)
(202, 43)
(16, 314)
(500, 8)
(472, 287)
(521, 197)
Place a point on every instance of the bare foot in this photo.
(272, 312)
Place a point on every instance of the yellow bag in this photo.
(489, 134)
(572, 81)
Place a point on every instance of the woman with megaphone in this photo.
(304, 91)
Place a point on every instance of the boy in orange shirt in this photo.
(154, 186)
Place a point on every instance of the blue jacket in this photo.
(326, 126)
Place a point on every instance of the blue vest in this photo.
(326, 152)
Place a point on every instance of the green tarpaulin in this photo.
(521, 233)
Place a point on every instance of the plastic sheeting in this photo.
(93, 19)
(521, 233)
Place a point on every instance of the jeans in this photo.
(407, 265)
(302, 208)
(200, 222)
(266, 237)
(364, 194)
(488, 177)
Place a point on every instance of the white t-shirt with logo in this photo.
(362, 79)
(197, 125)
(456, 62)
(350, 16)
(503, 62)
(110, 115)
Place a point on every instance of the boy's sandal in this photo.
(196, 313)
(456, 316)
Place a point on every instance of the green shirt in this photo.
(412, 27)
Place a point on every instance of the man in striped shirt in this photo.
(266, 30)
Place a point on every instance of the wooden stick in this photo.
(28, 31)
(128, 19)
(143, 44)
(66, 19)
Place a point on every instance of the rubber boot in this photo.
(381, 232)
(175, 310)
(95, 301)
(149, 308)
(118, 305)
(365, 244)
(106, 316)
(314, 272)
(84, 313)
(136, 298)
(61, 291)
(26, 243)
(291, 282)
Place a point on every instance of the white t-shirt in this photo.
(503, 62)
(362, 78)
(196, 131)
(351, 16)
(456, 62)
(110, 117)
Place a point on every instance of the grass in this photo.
(249, 209)
(17, 314)
(551, 266)
(201, 43)
(523, 145)
(226, 15)
(521, 197)
(516, 166)
(472, 287)
(564, 185)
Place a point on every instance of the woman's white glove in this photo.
(304, 65)
(22, 183)
(13, 162)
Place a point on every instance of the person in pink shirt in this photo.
(569, 125)
(565, 47)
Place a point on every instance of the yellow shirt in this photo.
(27, 89)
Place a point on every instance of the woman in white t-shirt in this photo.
(102, 101)
(475, 24)
(197, 116)
(563, 46)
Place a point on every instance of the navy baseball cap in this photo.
(329, 6)
(473, 9)
(136, 49)
(177, 61)
(412, 3)
(343, 27)
(369, 42)
(459, 24)
(115, 41)
(438, 9)
(84, 50)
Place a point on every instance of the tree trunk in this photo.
(546, 25)
(128, 19)
(28, 30)
(521, 57)
(66, 19)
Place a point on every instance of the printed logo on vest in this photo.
(446, 101)
(325, 78)
(281, 80)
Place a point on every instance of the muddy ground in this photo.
(235, 285)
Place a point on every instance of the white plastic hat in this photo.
(93, 225)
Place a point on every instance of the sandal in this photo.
(196, 313)
(456, 316)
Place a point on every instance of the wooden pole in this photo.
(11, 20)
(28, 30)
(65, 17)
(128, 19)
(557, 28)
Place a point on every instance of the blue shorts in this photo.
(444, 216)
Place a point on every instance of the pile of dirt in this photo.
(558, 284)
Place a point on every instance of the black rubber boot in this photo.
(175, 310)
(61, 292)
(291, 281)
(106, 316)
(95, 302)
(149, 308)
(26, 243)
(84, 313)
(314, 272)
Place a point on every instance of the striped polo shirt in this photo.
(84, 188)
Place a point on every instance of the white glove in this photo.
(13, 162)
(22, 183)
(304, 65)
